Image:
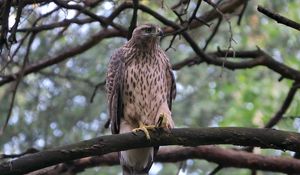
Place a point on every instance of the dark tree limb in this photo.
(35, 67)
(228, 158)
(28, 151)
(280, 19)
(259, 58)
(19, 77)
(5, 10)
(279, 114)
(25, 2)
(133, 19)
(216, 170)
(62, 23)
(12, 38)
(211, 15)
(287, 102)
(81, 9)
(213, 34)
(264, 138)
(194, 15)
(97, 86)
(242, 13)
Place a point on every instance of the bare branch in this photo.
(5, 9)
(107, 33)
(280, 19)
(264, 138)
(134, 18)
(12, 37)
(212, 35)
(101, 84)
(287, 102)
(19, 77)
(242, 13)
(229, 158)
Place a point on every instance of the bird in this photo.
(140, 87)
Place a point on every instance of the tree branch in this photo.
(280, 19)
(35, 67)
(228, 7)
(133, 19)
(287, 102)
(259, 58)
(226, 157)
(264, 138)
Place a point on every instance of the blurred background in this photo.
(53, 107)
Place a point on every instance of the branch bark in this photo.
(264, 138)
(226, 157)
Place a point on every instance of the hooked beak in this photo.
(160, 33)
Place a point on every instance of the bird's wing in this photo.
(114, 83)
(171, 86)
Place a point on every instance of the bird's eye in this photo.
(148, 30)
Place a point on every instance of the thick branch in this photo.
(226, 157)
(264, 138)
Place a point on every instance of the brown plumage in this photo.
(140, 87)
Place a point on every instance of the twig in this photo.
(28, 151)
(95, 90)
(35, 67)
(18, 80)
(4, 23)
(178, 16)
(134, 18)
(171, 43)
(81, 9)
(67, 77)
(279, 114)
(287, 102)
(12, 38)
(280, 19)
(212, 35)
(228, 21)
(180, 3)
(242, 13)
(194, 12)
(216, 170)
(182, 164)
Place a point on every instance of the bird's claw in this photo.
(145, 129)
(162, 121)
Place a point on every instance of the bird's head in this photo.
(147, 31)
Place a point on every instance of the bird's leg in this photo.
(163, 121)
(144, 128)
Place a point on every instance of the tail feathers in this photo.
(131, 171)
(137, 161)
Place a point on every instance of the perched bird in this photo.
(140, 88)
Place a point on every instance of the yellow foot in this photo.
(163, 122)
(145, 129)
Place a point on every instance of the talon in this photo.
(162, 121)
(144, 128)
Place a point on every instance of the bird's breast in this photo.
(144, 89)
